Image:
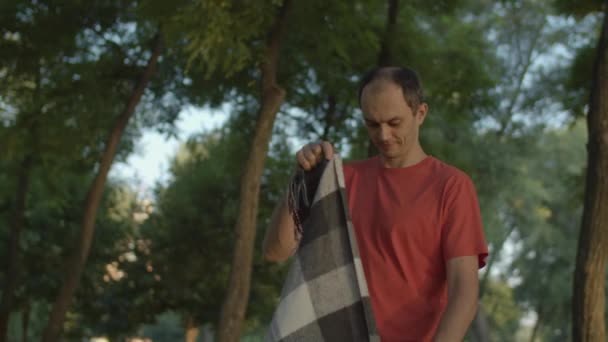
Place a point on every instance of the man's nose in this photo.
(385, 133)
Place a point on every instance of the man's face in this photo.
(390, 122)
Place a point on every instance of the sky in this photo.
(150, 161)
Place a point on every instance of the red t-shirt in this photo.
(408, 222)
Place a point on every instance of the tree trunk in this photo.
(192, 330)
(536, 328)
(385, 57)
(13, 258)
(588, 302)
(480, 326)
(330, 116)
(483, 286)
(74, 265)
(237, 296)
(207, 333)
(25, 322)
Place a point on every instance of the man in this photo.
(416, 219)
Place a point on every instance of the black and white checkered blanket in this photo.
(325, 296)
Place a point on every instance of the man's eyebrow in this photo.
(395, 118)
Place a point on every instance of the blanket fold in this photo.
(325, 296)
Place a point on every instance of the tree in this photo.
(178, 260)
(271, 98)
(588, 303)
(92, 66)
(116, 226)
(544, 259)
(75, 264)
(235, 303)
(55, 205)
(30, 83)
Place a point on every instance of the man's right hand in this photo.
(280, 241)
(311, 154)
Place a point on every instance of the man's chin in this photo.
(390, 148)
(391, 154)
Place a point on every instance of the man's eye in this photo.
(394, 123)
(371, 124)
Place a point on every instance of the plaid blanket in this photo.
(325, 296)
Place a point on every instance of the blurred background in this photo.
(144, 144)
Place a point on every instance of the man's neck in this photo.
(413, 157)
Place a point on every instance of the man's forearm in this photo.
(280, 241)
(457, 317)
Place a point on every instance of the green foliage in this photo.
(34, 315)
(579, 8)
(503, 79)
(578, 83)
(546, 254)
(225, 36)
(179, 258)
(53, 218)
(168, 328)
(61, 94)
(116, 228)
(504, 314)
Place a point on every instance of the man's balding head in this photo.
(405, 78)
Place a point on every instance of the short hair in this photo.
(406, 78)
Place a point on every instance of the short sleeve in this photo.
(462, 231)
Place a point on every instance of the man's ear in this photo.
(423, 109)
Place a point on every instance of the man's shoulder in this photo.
(450, 172)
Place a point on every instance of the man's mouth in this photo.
(385, 146)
